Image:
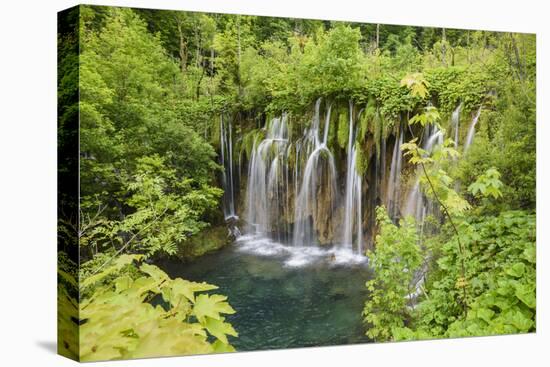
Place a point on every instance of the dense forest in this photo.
(412, 147)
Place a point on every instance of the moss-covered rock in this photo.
(208, 240)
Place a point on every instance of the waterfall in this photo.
(226, 149)
(394, 183)
(293, 197)
(455, 119)
(319, 172)
(353, 195)
(471, 131)
(268, 185)
(416, 205)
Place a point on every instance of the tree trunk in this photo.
(468, 47)
(198, 38)
(183, 49)
(377, 36)
(519, 64)
(443, 47)
(212, 62)
(239, 56)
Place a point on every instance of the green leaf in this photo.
(220, 347)
(530, 254)
(526, 294)
(69, 278)
(188, 289)
(416, 83)
(219, 328)
(211, 306)
(123, 283)
(485, 314)
(517, 270)
(519, 320)
(116, 265)
(154, 272)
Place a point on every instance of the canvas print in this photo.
(236, 183)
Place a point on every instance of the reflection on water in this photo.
(285, 296)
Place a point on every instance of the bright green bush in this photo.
(500, 281)
(395, 260)
(143, 315)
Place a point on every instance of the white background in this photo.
(28, 182)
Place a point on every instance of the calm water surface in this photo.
(285, 297)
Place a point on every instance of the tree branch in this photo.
(128, 242)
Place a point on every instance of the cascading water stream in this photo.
(455, 120)
(226, 149)
(352, 208)
(319, 173)
(292, 195)
(471, 131)
(293, 201)
(394, 183)
(416, 205)
(266, 199)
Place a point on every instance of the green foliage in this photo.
(67, 306)
(343, 130)
(506, 140)
(515, 145)
(340, 65)
(482, 276)
(230, 44)
(487, 184)
(452, 85)
(392, 98)
(325, 64)
(166, 213)
(436, 182)
(395, 260)
(379, 125)
(366, 121)
(442, 186)
(127, 100)
(100, 274)
(145, 315)
(417, 84)
(485, 267)
(362, 159)
(429, 116)
(501, 281)
(152, 87)
(500, 274)
(139, 192)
